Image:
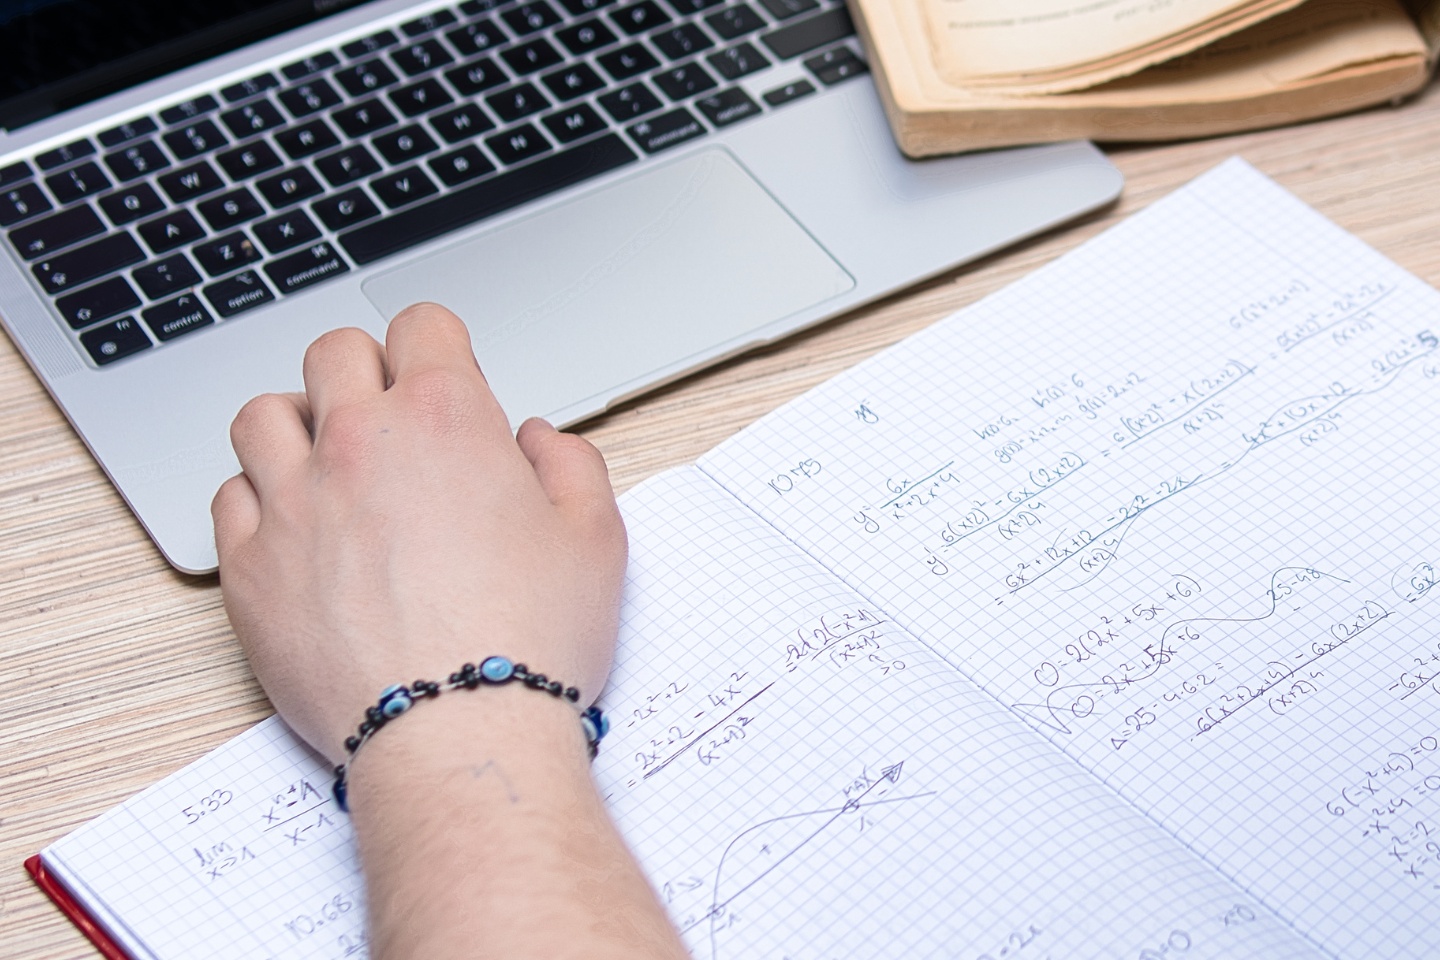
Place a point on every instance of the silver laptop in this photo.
(611, 193)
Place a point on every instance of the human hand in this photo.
(388, 527)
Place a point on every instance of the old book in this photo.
(961, 75)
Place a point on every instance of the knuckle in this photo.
(335, 342)
(442, 399)
(424, 312)
(348, 437)
(257, 412)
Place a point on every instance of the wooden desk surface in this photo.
(117, 670)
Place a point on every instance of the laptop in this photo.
(610, 193)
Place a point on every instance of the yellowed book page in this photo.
(1054, 46)
(1319, 38)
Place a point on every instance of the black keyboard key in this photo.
(130, 130)
(476, 37)
(428, 23)
(834, 66)
(286, 231)
(519, 144)
(363, 118)
(307, 139)
(638, 18)
(230, 209)
(666, 131)
(810, 33)
(417, 58)
(249, 161)
(366, 77)
(405, 144)
(791, 91)
(738, 61)
(311, 64)
(400, 187)
(489, 197)
(530, 17)
(60, 156)
(311, 265)
(252, 118)
(476, 77)
(309, 98)
(190, 182)
(785, 9)
(175, 229)
(735, 21)
(21, 203)
(246, 89)
(582, 38)
(238, 293)
(100, 302)
(420, 97)
(684, 81)
(687, 7)
(526, 58)
(175, 317)
(131, 203)
(194, 139)
(368, 45)
(55, 232)
(460, 166)
(578, 121)
(292, 186)
(727, 107)
(573, 82)
(462, 123)
(346, 166)
(115, 340)
(164, 277)
(510, 105)
(226, 253)
(581, 7)
(345, 210)
(77, 267)
(77, 182)
(188, 110)
(628, 61)
(15, 173)
(630, 102)
(677, 43)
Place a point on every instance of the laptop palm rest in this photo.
(583, 299)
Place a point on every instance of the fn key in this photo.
(115, 340)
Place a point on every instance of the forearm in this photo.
(482, 835)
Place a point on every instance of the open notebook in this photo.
(1098, 620)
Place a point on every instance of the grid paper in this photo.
(1172, 499)
(799, 777)
(799, 774)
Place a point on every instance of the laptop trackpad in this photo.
(591, 299)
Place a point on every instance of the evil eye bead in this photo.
(497, 669)
(394, 701)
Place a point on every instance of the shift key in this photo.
(317, 262)
(70, 270)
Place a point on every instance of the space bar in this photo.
(463, 207)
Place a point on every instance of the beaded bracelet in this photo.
(495, 671)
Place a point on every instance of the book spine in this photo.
(72, 909)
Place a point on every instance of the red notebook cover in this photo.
(68, 906)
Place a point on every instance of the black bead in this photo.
(366, 728)
(521, 671)
(572, 695)
(556, 688)
(352, 744)
(373, 714)
(455, 677)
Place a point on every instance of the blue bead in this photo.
(394, 701)
(497, 669)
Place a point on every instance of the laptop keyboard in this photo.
(166, 224)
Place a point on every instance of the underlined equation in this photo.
(1160, 665)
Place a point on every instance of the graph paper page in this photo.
(798, 776)
(1173, 499)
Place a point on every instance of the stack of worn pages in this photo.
(967, 74)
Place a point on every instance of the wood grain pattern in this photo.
(118, 670)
